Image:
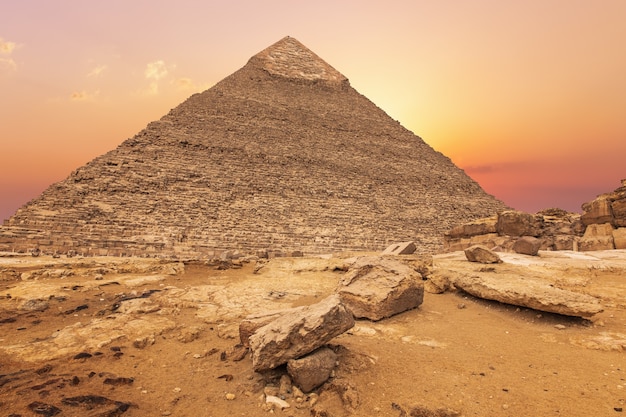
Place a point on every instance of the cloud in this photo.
(154, 72)
(84, 95)
(509, 166)
(7, 47)
(97, 71)
(8, 63)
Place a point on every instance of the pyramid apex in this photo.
(291, 59)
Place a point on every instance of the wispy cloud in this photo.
(499, 167)
(155, 72)
(84, 95)
(6, 49)
(8, 63)
(97, 71)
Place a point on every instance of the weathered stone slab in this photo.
(253, 322)
(404, 248)
(376, 288)
(294, 335)
(311, 371)
(527, 245)
(476, 227)
(535, 294)
(481, 254)
(597, 237)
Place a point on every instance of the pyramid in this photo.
(282, 156)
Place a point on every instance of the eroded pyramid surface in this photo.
(282, 155)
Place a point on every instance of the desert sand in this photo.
(144, 337)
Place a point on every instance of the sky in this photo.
(528, 97)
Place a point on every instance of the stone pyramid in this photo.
(281, 156)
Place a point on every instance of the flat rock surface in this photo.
(171, 350)
(537, 294)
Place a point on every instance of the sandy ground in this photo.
(103, 337)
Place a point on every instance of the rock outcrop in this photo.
(376, 288)
(282, 156)
(555, 228)
(601, 227)
(294, 335)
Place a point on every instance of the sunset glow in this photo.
(527, 97)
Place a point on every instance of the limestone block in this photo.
(312, 370)
(597, 237)
(535, 294)
(518, 223)
(489, 240)
(294, 335)
(597, 211)
(481, 254)
(376, 288)
(476, 227)
(404, 248)
(527, 245)
(619, 238)
(253, 322)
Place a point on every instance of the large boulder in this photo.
(376, 288)
(525, 292)
(518, 223)
(312, 370)
(295, 334)
(481, 254)
(527, 245)
(597, 237)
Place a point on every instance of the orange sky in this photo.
(528, 97)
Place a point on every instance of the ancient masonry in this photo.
(281, 156)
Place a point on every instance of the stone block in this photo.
(252, 323)
(527, 245)
(294, 335)
(312, 370)
(404, 248)
(481, 254)
(376, 288)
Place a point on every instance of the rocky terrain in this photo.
(138, 337)
(602, 226)
(282, 156)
